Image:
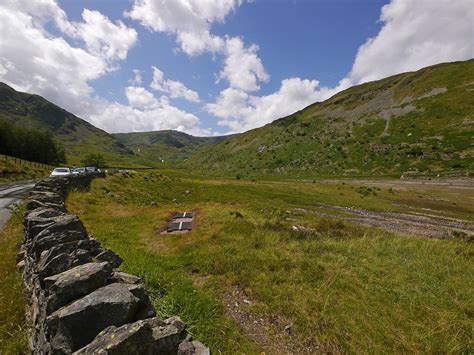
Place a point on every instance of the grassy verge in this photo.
(14, 171)
(12, 303)
(343, 287)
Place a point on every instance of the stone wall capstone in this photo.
(77, 300)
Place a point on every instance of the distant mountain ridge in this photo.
(416, 122)
(168, 145)
(79, 137)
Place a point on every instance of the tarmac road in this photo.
(10, 194)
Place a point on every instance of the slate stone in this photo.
(63, 262)
(77, 324)
(186, 348)
(176, 322)
(133, 338)
(145, 308)
(33, 204)
(38, 245)
(34, 226)
(200, 349)
(20, 256)
(90, 244)
(167, 339)
(20, 265)
(111, 257)
(167, 334)
(47, 197)
(119, 276)
(42, 213)
(74, 283)
(63, 223)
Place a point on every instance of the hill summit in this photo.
(416, 122)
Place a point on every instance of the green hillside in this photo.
(170, 146)
(420, 122)
(78, 136)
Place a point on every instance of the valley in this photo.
(190, 177)
(285, 264)
(346, 227)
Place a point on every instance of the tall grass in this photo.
(343, 287)
(12, 302)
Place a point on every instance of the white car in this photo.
(60, 172)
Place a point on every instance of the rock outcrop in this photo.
(78, 301)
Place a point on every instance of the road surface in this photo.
(11, 194)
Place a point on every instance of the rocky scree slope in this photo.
(78, 301)
(419, 122)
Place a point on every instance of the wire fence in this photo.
(23, 162)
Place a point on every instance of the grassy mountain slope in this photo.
(420, 121)
(78, 136)
(171, 146)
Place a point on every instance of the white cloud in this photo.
(415, 34)
(240, 111)
(242, 68)
(189, 20)
(36, 61)
(139, 97)
(115, 117)
(173, 88)
(62, 67)
(231, 104)
(104, 38)
(137, 79)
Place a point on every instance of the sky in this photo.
(213, 67)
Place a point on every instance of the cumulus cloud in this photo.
(139, 97)
(36, 61)
(173, 88)
(414, 34)
(240, 111)
(62, 67)
(103, 37)
(189, 20)
(115, 117)
(137, 77)
(243, 68)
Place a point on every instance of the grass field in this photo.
(246, 281)
(12, 303)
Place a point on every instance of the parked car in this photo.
(60, 172)
(79, 171)
(91, 169)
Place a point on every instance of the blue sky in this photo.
(223, 66)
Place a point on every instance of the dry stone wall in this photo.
(78, 301)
